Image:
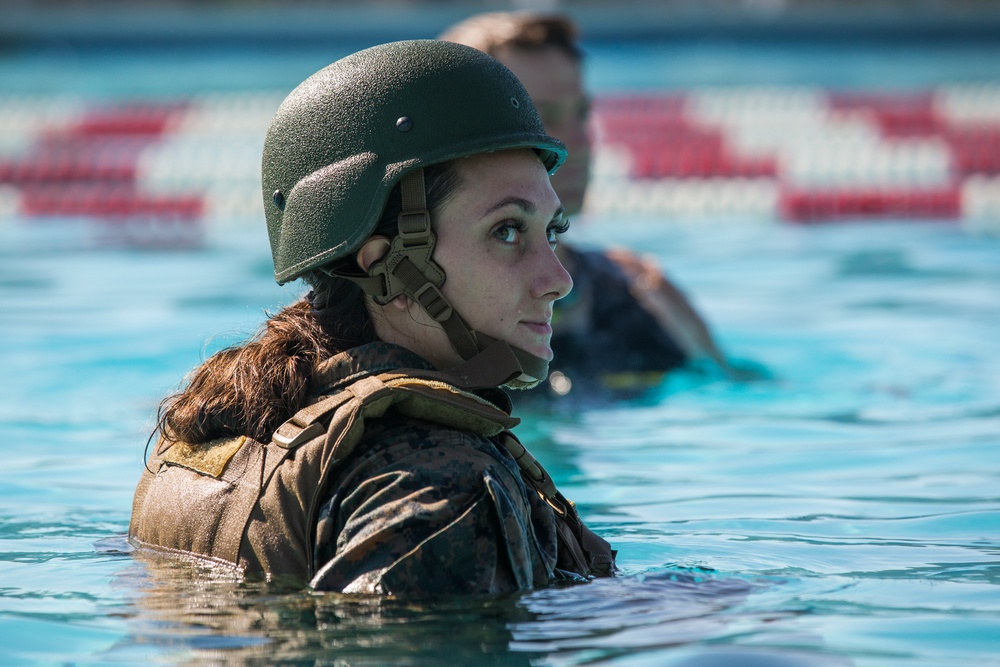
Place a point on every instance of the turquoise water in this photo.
(844, 511)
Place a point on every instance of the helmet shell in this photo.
(346, 135)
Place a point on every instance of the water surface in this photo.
(842, 510)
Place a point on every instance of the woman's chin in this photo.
(543, 352)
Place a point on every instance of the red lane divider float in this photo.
(108, 202)
(657, 162)
(903, 115)
(88, 169)
(68, 168)
(664, 137)
(975, 149)
(122, 216)
(130, 119)
(809, 206)
(105, 164)
(665, 143)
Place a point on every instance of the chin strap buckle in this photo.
(431, 300)
(415, 227)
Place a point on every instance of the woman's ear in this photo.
(373, 250)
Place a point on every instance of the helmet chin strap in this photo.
(408, 268)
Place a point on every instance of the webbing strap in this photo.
(534, 367)
(436, 305)
(493, 367)
(424, 291)
(307, 423)
(414, 194)
(416, 386)
(530, 466)
(580, 549)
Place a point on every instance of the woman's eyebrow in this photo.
(522, 203)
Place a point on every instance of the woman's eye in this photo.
(556, 230)
(507, 233)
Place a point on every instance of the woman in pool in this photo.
(361, 442)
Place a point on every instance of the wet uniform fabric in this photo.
(421, 508)
(386, 483)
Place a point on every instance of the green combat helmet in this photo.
(348, 134)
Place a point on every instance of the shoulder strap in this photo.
(580, 549)
(431, 398)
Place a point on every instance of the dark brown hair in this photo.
(252, 388)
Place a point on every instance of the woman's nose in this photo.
(554, 281)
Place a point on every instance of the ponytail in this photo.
(253, 388)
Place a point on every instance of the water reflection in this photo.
(611, 618)
(195, 614)
(192, 614)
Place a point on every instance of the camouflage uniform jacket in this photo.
(405, 501)
(425, 508)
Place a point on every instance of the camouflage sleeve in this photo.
(432, 511)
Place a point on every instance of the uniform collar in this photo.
(358, 362)
(351, 365)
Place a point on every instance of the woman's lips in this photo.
(541, 328)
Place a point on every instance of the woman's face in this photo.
(496, 236)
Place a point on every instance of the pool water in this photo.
(842, 509)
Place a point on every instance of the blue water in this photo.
(844, 511)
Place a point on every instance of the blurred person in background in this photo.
(625, 324)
